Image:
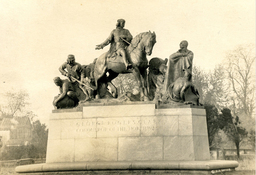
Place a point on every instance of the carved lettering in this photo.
(85, 126)
(105, 127)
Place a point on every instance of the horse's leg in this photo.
(144, 84)
(97, 96)
(113, 89)
(112, 75)
(100, 85)
(138, 78)
(99, 71)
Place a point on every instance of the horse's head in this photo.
(150, 41)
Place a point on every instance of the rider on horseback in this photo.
(119, 39)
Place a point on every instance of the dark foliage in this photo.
(232, 128)
(36, 149)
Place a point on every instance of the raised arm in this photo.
(62, 69)
(106, 42)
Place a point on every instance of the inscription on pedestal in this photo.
(85, 126)
(80, 128)
(118, 127)
(148, 125)
(110, 127)
(114, 127)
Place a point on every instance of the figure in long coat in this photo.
(178, 61)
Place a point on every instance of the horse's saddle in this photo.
(114, 57)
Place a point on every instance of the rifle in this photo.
(73, 78)
(125, 41)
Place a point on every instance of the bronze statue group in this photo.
(159, 80)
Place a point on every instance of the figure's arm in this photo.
(182, 93)
(80, 71)
(190, 57)
(175, 56)
(63, 93)
(128, 36)
(62, 69)
(106, 42)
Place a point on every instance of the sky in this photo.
(36, 36)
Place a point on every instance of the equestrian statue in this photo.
(124, 56)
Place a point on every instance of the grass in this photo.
(246, 164)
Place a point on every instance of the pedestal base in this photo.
(188, 167)
(128, 132)
(128, 137)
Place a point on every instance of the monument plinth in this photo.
(128, 136)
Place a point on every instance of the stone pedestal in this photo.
(127, 136)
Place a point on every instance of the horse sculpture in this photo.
(141, 46)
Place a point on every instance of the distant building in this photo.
(15, 131)
(228, 149)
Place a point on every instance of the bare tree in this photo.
(230, 86)
(217, 93)
(14, 104)
(240, 71)
(212, 90)
(200, 80)
(212, 86)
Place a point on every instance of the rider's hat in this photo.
(71, 56)
(120, 20)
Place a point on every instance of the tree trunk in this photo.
(237, 150)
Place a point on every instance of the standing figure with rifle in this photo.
(119, 39)
(73, 68)
(74, 72)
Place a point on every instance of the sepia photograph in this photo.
(127, 87)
